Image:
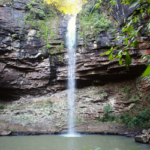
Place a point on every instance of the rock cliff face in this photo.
(23, 71)
(26, 71)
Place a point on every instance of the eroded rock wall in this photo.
(50, 114)
(26, 70)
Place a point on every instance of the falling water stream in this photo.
(71, 45)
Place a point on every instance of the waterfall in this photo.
(71, 46)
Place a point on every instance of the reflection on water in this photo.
(56, 142)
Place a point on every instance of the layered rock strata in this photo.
(25, 69)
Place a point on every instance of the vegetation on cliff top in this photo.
(67, 6)
(100, 21)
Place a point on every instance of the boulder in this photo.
(144, 138)
(141, 139)
(145, 132)
(4, 133)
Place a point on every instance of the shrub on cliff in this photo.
(107, 116)
(100, 21)
(142, 119)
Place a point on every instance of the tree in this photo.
(67, 6)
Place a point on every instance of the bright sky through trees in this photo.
(67, 6)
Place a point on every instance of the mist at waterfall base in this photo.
(71, 46)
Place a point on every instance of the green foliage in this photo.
(62, 46)
(134, 3)
(97, 22)
(130, 32)
(94, 9)
(42, 104)
(42, 17)
(2, 2)
(37, 13)
(102, 23)
(2, 106)
(147, 71)
(106, 115)
(48, 46)
(11, 130)
(104, 94)
(142, 119)
(86, 147)
(2, 121)
(126, 89)
(134, 98)
(107, 110)
(127, 60)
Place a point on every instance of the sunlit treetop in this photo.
(67, 6)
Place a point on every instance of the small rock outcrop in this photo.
(5, 132)
(144, 137)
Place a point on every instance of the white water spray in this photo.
(71, 45)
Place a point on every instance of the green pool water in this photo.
(57, 142)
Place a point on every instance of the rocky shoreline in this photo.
(111, 128)
(57, 133)
(142, 138)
